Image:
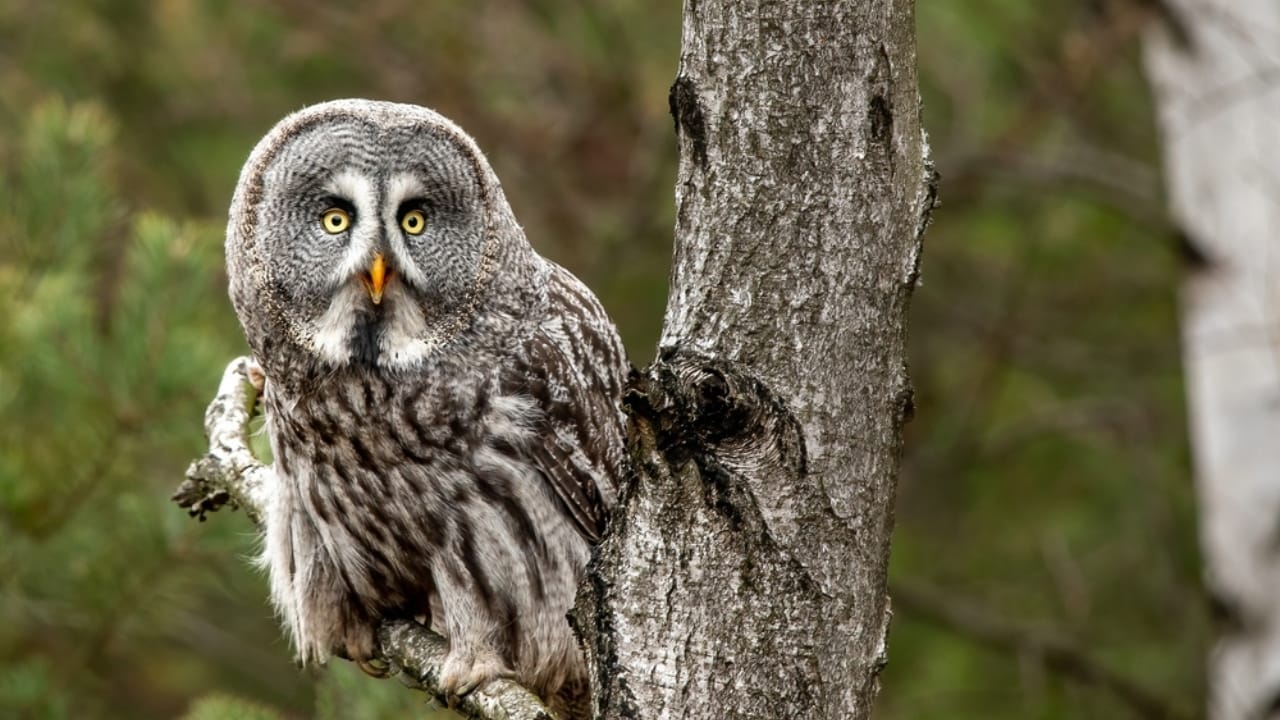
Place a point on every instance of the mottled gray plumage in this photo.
(447, 441)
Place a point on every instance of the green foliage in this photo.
(224, 707)
(348, 694)
(109, 344)
(1046, 479)
(29, 689)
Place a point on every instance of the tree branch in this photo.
(229, 474)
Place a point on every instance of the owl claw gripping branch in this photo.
(443, 403)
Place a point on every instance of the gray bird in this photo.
(443, 402)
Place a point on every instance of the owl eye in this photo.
(335, 220)
(414, 222)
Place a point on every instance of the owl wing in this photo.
(574, 368)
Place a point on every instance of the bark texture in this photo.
(745, 576)
(1213, 72)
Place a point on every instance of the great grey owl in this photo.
(443, 403)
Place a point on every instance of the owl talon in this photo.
(463, 675)
(466, 687)
(257, 378)
(374, 667)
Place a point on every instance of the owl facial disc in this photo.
(372, 234)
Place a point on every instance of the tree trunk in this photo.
(1213, 73)
(746, 574)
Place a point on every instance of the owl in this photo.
(443, 402)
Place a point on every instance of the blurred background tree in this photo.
(1045, 500)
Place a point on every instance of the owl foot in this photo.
(360, 648)
(374, 667)
(257, 378)
(466, 672)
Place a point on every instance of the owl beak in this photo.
(376, 278)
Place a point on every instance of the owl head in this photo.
(372, 234)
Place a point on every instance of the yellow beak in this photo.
(377, 278)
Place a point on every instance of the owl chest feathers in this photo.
(413, 495)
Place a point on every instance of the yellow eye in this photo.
(335, 220)
(414, 222)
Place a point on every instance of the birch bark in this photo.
(1214, 79)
